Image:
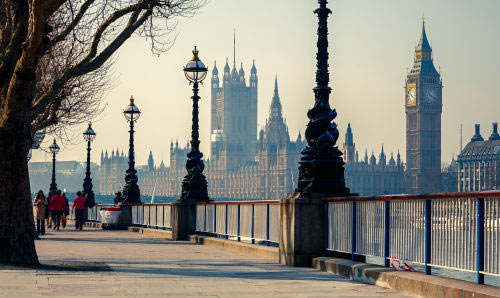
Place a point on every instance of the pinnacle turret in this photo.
(242, 72)
(254, 69)
(215, 71)
(227, 69)
(275, 103)
(349, 139)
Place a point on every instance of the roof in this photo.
(480, 150)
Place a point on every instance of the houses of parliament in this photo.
(244, 164)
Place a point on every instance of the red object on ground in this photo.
(112, 209)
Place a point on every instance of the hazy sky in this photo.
(371, 45)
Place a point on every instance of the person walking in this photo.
(48, 214)
(57, 207)
(118, 198)
(79, 209)
(40, 204)
(66, 210)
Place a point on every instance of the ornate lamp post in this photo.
(131, 192)
(89, 136)
(194, 184)
(321, 168)
(54, 149)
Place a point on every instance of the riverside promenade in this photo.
(97, 263)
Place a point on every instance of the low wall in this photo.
(411, 283)
(239, 247)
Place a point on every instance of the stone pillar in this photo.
(125, 219)
(303, 235)
(183, 219)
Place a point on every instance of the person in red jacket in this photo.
(57, 206)
(79, 208)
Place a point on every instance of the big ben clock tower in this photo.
(423, 106)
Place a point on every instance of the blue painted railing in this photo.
(154, 216)
(251, 221)
(459, 231)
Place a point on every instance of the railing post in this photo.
(326, 228)
(353, 227)
(387, 233)
(215, 220)
(205, 218)
(253, 224)
(428, 236)
(238, 232)
(156, 216)
(195, 218)
(163, 217)
(267, 225)
(480, 240)
(226, 232)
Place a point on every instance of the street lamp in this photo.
(89, 136)
(54, 149)
(194, 184)
(131, 192)
(321, 168)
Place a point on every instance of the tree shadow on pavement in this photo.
(63, 266)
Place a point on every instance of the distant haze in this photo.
(371, 46)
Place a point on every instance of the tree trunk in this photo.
(17, 227)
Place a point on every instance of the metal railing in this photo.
(252, 221)
(156, 216)
(459, 231)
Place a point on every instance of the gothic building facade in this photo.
(369, 176)
(112, 171)
(242, 163)
(423, 106)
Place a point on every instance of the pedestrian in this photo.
(40, 203)
(48, 214)
(79, 209)
(118, 198)
(57, 208)
(66, 211)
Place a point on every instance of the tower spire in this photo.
(275, 103)
(276, 86)
(423, 43)
(234, 47)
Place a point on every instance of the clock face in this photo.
(430, 95)
(411, 97)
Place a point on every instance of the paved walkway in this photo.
(123, 264)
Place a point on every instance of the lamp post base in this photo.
(131, 195)
(194, 188)
(322, 174)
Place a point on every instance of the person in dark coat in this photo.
(118, 198)
(48, 214)
(66, 211)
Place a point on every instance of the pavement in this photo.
(97, 263)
